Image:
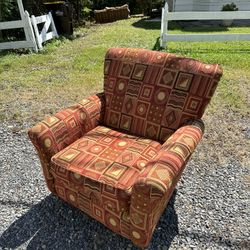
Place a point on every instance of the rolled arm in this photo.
(58, 131)
(156, 183)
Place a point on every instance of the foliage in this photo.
(229, 7)
(8, 9)
(157, 4)
(83, 9)
(146, 6)
(86, 13)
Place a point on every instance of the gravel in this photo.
(209, 209)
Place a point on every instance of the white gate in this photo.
(24, 23)
(44, 35)
(222, 15)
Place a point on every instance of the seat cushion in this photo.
(96, 174)
(107, 156)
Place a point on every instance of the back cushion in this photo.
(151, 94)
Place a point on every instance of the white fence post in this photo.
(164, 25)
(36, 31)
(20, 7)
(29, 31)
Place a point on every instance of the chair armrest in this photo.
(58, 131)
(155, 184)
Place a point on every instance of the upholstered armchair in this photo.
(118, 155)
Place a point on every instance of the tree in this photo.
(7, 8)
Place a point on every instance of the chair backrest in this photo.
(151, 93)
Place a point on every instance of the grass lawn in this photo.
(35, 85)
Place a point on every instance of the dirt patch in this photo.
(226, 137)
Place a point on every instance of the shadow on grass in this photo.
(201, 26)
(193, 50)
(188, 26)
(53, 224)
(145, 23)
(15, 52)
(199, 50)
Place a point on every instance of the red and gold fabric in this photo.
(155, 184)
(118, 155)
(151, 93)
(55, 133)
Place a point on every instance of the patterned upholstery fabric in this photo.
(118, 155)
(155, 184)
(57, 132)
(151, 93)
(97, 172)
(108, 156)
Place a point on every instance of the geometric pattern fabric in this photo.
(118, 155)
(151, 93)
(97, 172)
(107, 156)
(54, 133)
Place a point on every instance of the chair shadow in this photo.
(53, 224)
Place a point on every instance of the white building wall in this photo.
(208, 5)
(183, 5)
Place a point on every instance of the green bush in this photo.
(229, 7)
(83, 9)
(8, 10)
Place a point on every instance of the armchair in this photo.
(118, 155)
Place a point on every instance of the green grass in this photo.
(33, 85)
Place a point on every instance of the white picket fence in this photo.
(44, 35)
(33, 38)
(24, 23)
(181, 16)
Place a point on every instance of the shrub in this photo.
(8, 10)
(229, 7)
(83, 9)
